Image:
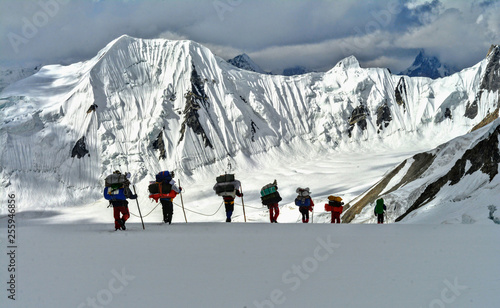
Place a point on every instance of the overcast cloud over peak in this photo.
(275, 34)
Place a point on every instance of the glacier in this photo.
(165, 104)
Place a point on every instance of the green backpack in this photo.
(379, 208)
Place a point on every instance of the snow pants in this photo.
(168, 210)
(274, 212)
(120, 210)
(304, 210)
(380, 218)
(335, 217)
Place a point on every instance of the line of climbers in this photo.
(165, 189)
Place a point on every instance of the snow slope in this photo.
(63, 264)
(174, 105)
(10, 75)
(454, 183)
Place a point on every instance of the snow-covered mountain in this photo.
(243, 61)
(428, 66)
(11, 75)
(174, 105)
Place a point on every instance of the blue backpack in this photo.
(114, 194)
(163, 176)
(303, 202)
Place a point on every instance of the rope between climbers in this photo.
(257, 208)
(176, 204)
(207, 215)
(144, 216)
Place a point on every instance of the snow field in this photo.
(254, 265)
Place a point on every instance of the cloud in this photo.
(454, 36)
(276, 34)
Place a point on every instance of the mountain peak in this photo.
(173, 104)
(243, 61)
(428, 66)
(349, 62)
(492, 48)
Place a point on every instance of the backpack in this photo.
(163, 176)
(302, 201)
(379, 208)
(271, 198)
(334, 203)
(224, 188)
(114, 194)
(225, 178)
(116, 180)
(226, 185)
(334, 198)
(269, 194)
(159, 187)
(303, 192)
(268, 189)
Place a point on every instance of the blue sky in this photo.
(275, 34)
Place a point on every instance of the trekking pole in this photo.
(182, 202)
(243, 203)
(139, 208)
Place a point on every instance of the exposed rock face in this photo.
(421, 162)
(487, 120)
(471, 110)
(491, 79)
(254, 129)
(358, 117)
(195, 99)
(401, 93)
(383, 117)
(80, 149)
(370, 196)
(447, 114)
(484, 156)
(159, 145)
(489, 83)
